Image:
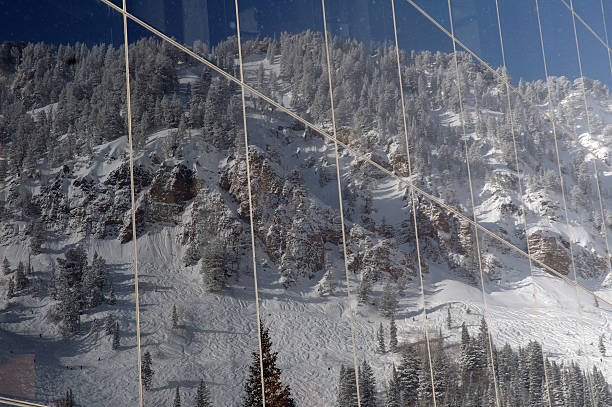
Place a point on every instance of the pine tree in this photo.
(388, 300)
(6, 267)
(276, 394)
(116, 336)
(21, 281)
(448, 318)
(112, 298)
(177, 398)
(328, 284)
(367, 385)
(147, 371)
(365, 288)
(393, 397)
(65, 401)
(602, 346)
(380, 336)
(409, 377)
(214, 266)
(11, 289)
(109, 325)
(175, 320)
(203, 396)
(392, 335)
(347, 388)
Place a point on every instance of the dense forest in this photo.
(60, 102)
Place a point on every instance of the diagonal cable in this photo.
(248, 169)
(133, 201)
(19, 403)
(346, 271)
(589, 128)
(605, 26)
(503, 79)
(467, 161)
(561, 181)
(413, 199)
(520, 192)
(596, 172)
(356, 153)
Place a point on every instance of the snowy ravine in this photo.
(191, 190)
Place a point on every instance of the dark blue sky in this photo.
(89, 21)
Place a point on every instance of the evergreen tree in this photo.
(37, 237)
(21, 281)
(388, 300)
(6, 267)
(147, 371)
(116, 336)
(109, 324)
(175, 321)
(11, 288)
(380, 336)
(276, 394)
(365, 288)
(203, 396)
(214, 265)
(393, 396)
(392, 335)
(409, 377)
(112, 298)
(94, 278)
(347, 388)
(177, 398)
(602, 346)
(367, 385)
(328, 284)
(65, 401)
(448, 318)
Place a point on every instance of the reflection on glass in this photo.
(67, 319)
(67, 308)
(283, 53)
(198, 315)
(207, 28)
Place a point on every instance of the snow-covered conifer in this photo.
(388, 300)
(380, 338)
(177, 398)
(116, 336)
(203, 395)
(392, 335)
(147, 371)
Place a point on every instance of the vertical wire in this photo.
(595, 171)
(248, 167)
(346, 272)
(467, 161)
(133, 200)
(520, 192)
(605, 26)
(603, 16)
(561, 182)
(412, 199)
(588, 120)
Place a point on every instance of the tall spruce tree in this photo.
(367, 385)
(380, 337)
(409, 371)
(202, 395)
(392, 335)
(276, 394)
(177, 398)
(115, 344)
(147, 371)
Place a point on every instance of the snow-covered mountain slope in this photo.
(191, 191)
